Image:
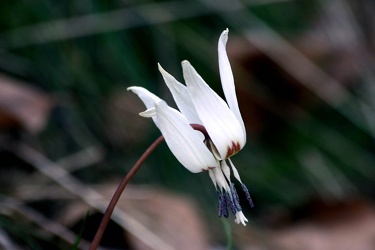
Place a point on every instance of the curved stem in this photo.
(116, 196)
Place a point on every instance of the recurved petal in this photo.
(183, 140)
(151, 112)
(227, 80)
(181, 97)
(149, 99)
(221, 124)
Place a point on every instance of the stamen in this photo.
(235, 197)
(220, 210)
(224, 206)
(235, 171)
(219, 177)
(214, 150)
(244, 188)
(212, 176)
(225, 169)
(231, 202)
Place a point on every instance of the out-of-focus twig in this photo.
(82, 159)
(345, 32)
(116, 196)
(87, 194)
(98, 23)
(327, 182)
(293, 62)
(47, 225)
(33, 188)
(120, 19)
(6, 242)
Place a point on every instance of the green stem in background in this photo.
(116, 196)
(228, 234)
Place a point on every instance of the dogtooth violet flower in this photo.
(199, 104)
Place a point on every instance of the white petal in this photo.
(148, 98)
(151, 112)
(226, 77)
(182, 139)
(221, 124)
(181, 97)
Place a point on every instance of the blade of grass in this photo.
(79, 236)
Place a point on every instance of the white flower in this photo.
(199, 104)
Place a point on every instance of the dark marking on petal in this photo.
(233, 149)
(206, 169)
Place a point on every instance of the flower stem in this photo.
(116, 196)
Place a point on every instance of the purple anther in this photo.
(235, 197)
(247, 195)
(220, 198)
(224, 206)
(231, 203)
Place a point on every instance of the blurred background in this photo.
(69, 130)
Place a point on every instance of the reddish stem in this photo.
(201, 129)
(116, 196)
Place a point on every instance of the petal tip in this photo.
(225, 32)
(131, 88)
(136, 89)
(185, 63)
(164, 73)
